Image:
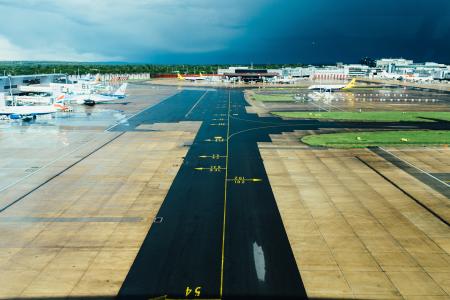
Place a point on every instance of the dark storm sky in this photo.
(233, 31)
(325, 31)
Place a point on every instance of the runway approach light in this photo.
(359, 138)
(404, 139)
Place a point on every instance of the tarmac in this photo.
(353, 233)
(191, 195)
(441, 86)
(362, 99)
(78, 234)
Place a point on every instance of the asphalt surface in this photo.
(435, 182)
(221, 235)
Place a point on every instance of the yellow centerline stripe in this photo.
(225, 196)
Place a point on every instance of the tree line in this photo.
(30, 68)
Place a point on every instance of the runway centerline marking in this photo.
(196, 103)
(225, 195)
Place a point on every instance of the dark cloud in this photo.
(233, 31)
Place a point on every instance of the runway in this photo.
(199, 229)
(219, 233)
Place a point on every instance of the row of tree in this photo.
(29, 68)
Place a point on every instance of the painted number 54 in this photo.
(196, 291)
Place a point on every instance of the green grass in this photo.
(274, 97)
(380, 116)
(379, 138)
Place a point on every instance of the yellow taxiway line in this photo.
(225, 195)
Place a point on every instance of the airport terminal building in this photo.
(246, 74)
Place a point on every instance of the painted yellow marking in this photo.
(210, 168)
(196, 291)
(220, 119)
(242, 179)
(224, 223)
(217, 124)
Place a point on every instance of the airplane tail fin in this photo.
(121, 90)
(60, 98)
(179, 76)
(351, 84)
(58, 103)
(60, 106)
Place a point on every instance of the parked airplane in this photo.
(92, 99)
(119, 93)
(28, 112)
(191, 78)
(333, 87)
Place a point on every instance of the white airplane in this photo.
(191, 78)
(120, 92)
(28, 112)
(333, 87)
(92, 99)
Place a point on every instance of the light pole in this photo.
(10, 90)
(10, 85)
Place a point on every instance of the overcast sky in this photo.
(231, 31)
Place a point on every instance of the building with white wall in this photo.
(230, 70)
(11, 84)
(388, 64)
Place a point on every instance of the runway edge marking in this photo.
(225, 195)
